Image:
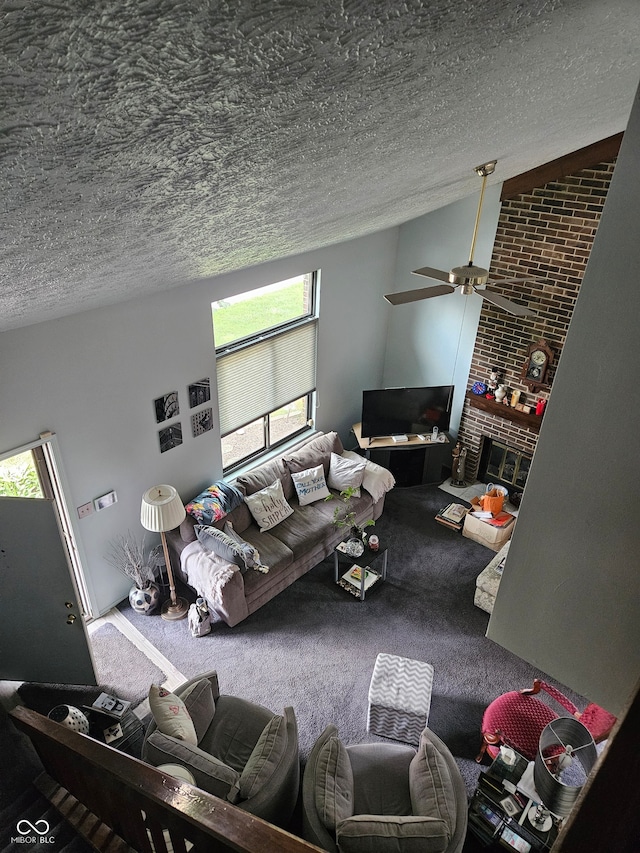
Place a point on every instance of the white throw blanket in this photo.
(207, 573)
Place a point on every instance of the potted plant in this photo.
(130, 557)
(346, 518)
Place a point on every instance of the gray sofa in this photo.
(290, 549)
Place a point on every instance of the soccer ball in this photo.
(145, 601)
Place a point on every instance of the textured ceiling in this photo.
(145, 143)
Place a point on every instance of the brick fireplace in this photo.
(546, 233)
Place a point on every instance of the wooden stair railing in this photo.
(144, 806)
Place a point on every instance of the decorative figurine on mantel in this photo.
(494, 378)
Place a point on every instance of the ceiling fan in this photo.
(468, 277)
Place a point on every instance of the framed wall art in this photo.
(199, 392)
(201, 422)
(170, 437)
(166, 406)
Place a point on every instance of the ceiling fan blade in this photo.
(420, 293)
(506, 304)
(430, 272)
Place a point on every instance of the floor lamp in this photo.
(162, 510)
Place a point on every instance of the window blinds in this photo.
(267, 374)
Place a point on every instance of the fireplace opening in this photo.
(504, 465)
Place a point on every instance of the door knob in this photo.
(69, 604)
(71, 618)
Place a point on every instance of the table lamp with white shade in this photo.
(162, 510)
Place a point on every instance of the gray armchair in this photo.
(244, 753)
(383, 797)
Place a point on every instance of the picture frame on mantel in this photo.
(536, 365)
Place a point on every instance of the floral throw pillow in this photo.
(214, 503)
(268, 507)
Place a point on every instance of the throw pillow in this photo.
(214, 503)
(431, 784)
(199, 702)
(346, 473)
(333, 783)
(171, 715)
(268, 507)
(377, 480)
(226, 546)
(310, 485)
(250, 551)
(265, 757)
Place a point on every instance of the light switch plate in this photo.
(85, 510)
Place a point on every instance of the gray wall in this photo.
(91, 378)
(431, 342)
(568, 600)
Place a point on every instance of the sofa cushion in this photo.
(273, 552)
(333, 784)
(304, 529)
(310, 485)
(316, 451)
(171, 715)
(265, 757)
(377, 792)
(389, 834)
(431, 784)
(259, 478)
(346, 473)
(268, 506)
(211, 774)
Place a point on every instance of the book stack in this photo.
(452, 516)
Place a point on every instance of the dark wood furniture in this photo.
(414, 462)
(525, 419)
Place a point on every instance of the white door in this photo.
(43, 636)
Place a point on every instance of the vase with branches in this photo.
(140, 564)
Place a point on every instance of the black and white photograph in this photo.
(199, 392)
(201, 422)
(170, 437)
(166, 407)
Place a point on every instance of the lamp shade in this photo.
(162, 509)
(561, 741)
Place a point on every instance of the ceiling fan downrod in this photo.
(484, 171)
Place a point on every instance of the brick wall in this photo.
(546, 234)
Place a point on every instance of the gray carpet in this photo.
(121, 669)
(314, 645)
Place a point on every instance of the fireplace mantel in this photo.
(530, 421)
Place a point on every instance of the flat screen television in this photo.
(394, 411)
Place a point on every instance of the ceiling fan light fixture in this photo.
(468, 275)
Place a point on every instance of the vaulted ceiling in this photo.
(146, 143)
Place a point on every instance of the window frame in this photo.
(260, 337)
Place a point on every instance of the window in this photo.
(266, 366)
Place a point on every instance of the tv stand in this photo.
(417, 461)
